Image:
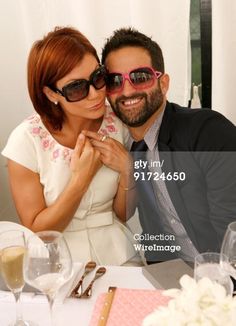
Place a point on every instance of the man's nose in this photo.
(128, 87)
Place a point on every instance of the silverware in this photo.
(78, 290)
(88, 292)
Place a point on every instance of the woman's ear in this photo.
(164, 82)
(51, 95)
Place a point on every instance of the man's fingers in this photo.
(100, 144)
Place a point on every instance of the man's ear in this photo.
(164, 83)
(51, 95)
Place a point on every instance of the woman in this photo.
(58, 179)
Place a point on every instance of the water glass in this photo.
(208, 265)
(228, 249)
(48, 264)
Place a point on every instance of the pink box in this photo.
(129, 306)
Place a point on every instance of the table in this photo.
(74, 312)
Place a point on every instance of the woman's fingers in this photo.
(93, 135)
(85, 157)
(89, 150)
(113, 153)
(79, 146)
(83, 145)
(96, 137)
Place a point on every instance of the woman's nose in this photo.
(93, 92)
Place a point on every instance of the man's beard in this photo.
(153, 102)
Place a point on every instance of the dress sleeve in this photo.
(20, 148)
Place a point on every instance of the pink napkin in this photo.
(129, 307)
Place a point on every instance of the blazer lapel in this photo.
(167, 155)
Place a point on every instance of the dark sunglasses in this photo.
(139, 78)
(79, 89)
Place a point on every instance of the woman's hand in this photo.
(85, 160)
(112, 153)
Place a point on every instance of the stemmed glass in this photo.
(48, 264)
(228, 249)
(12, 251)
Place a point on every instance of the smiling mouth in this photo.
(132, 101)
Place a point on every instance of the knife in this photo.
(107, 306)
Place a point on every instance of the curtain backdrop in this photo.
(224, 57)
(24, 21)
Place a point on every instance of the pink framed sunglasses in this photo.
(139, 78)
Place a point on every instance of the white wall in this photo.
(24, 21)
(224, 57)
(15, 104)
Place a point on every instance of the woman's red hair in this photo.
(50, 59)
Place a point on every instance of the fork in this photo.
(88, 292)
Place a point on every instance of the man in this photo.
(188, 195)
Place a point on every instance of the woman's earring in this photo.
(55, 102)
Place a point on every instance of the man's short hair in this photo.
(124, 37)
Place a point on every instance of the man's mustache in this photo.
(125, 98)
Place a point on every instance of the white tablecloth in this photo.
(74, 312)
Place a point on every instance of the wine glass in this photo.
(12, 248)
(48, 264)
(228, 249)
(208, 265)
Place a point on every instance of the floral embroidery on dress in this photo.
(47, 141)
(58, 151)
(55, 154)
(109, 121)
(35, 118)
(66, 153)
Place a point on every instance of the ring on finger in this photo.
(104, 137)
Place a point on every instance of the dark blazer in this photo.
(202, 144)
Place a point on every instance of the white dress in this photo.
(94, 232)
